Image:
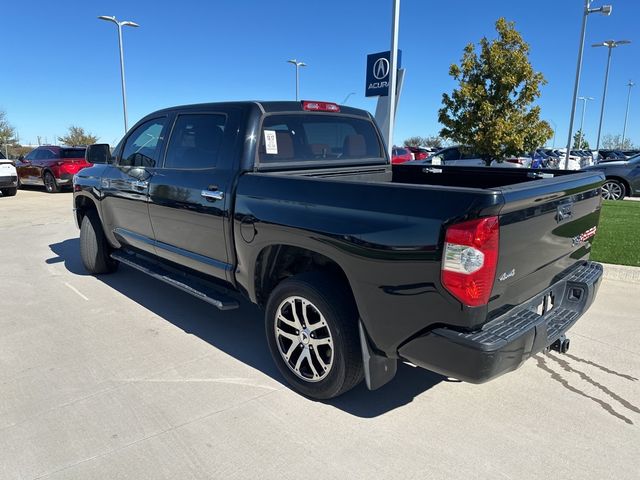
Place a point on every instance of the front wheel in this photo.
(613, 190)
(9, 192)
(312, 331)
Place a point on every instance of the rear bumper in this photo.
(504, 343)
(64, 179)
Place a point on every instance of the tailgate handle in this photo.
(564, 211)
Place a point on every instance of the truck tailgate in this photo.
(546, 229)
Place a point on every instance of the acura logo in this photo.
(381, 68)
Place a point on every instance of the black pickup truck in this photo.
(358, 264)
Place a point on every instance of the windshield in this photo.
(318, 139)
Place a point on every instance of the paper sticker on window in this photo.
(270, 142)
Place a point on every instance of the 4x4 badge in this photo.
(506, 275)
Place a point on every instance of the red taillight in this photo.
(71, 168)
(320, 106)
(469, 260)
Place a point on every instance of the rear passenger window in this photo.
(43, 154)
(320, 138)
(142, 147)
(195, 141)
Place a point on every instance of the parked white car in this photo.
(575, 162)
(8, 177)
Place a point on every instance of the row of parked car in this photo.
(53, 166)
(622, 169)
(460, 156)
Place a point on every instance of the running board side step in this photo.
(207, 291)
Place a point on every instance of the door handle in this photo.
(212, 195)
(139, 185)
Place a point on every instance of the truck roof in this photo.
(268, 106)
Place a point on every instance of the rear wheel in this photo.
(9, 192)
(311, 326)
(94, 248)
(613, 190)
(50, 183)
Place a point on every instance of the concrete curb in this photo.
(621, 272)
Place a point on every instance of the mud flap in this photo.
(378, 369)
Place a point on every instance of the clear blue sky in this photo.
(61, 63)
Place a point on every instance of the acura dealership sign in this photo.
(378, 74)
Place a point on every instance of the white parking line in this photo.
(76, 291)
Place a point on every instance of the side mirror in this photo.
(21, 157)
(98, 153)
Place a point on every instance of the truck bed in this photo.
(388, 225)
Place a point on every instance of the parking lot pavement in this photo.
(124, 377)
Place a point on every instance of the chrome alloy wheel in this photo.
(612, 191)
(304, 339)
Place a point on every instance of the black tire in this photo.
(50, 184)
(333, 300)
(9, 192)
(613, 190)
(94, 248)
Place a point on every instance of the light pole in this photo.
(626, 113)
(610, 44)
(298, 65)
(344, 102)
(584, 109)
(393, 72)
(125, 23)
(604, 10)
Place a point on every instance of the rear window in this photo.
(318, 139)
(72, 153)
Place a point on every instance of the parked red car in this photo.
(51, 166)
(400, 155)
(419, 153)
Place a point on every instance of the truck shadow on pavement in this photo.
(569, 368)
(240, 333)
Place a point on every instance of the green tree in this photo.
(579, 142)
(77, 136)
(7, 132)
(491, 110)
